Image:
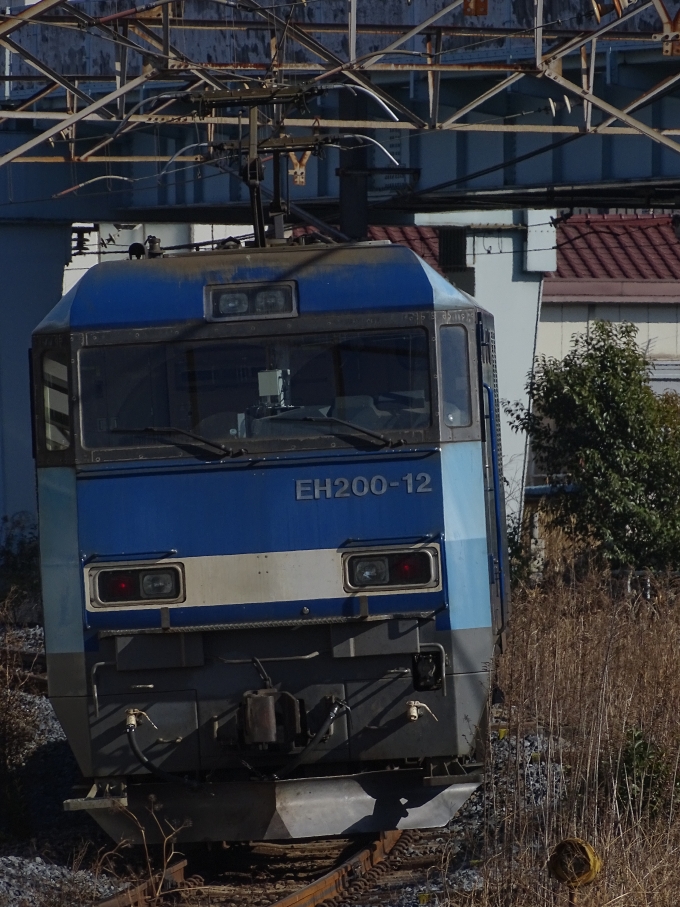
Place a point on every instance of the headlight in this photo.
(145, 585)
(273, 300)
(159, 584)
(232, 303)
(369, 571)
(392, 570)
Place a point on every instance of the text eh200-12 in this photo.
(359, 486)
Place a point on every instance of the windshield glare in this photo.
(262, 388)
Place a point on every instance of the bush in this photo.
(598, 431)
(20, 568)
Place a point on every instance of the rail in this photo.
(355, 868)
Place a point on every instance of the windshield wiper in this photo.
(380, 440)
(174, 430)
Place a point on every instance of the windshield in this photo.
(262, 388)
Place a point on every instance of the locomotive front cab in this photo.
(272, 539)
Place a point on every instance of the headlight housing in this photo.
(138, 585)
(391, 570)
(247, 301)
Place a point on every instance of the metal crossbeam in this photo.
(640, 127)
(336, 64)
(74, 118)
(411, 34)
(491, 93)
(642, 100)
(30, 14)
(575, 43)
(49, 72)
(149, 42)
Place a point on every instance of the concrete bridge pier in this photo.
(32, 261)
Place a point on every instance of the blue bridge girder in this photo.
(119, 114)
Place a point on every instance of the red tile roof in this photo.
(589, 246)
(423, 240)
(617, 247)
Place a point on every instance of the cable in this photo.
(95, 179)
(373, 141)
(181, 151)
(130, 730)
(337, 709)
(495, 167)
(371, 94)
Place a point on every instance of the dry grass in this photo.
(16, 726)
(591, 680)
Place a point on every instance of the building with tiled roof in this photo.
(617, 267)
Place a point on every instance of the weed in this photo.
(591, 690)
(20, 568)
(16, 730)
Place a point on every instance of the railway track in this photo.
(328, 871)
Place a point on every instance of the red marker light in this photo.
(121, 587)
(413, 569)
(118, 586)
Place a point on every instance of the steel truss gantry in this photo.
(155, 83)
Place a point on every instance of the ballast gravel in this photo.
(39, 842)
(453, 852)
(33, 882)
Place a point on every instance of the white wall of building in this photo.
(658, 326)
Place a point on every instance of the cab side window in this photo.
(56, 400)
(455, 372)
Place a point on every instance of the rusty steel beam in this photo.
(575, 43)
(402, 39)
(641, 101)
(654, 134)
(73, 119)
(50, 73)
(16, 20)
(491, 93)
(528, 129)
(549, 34)
(322, 123)
(34, 98)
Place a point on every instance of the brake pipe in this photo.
(132, 717)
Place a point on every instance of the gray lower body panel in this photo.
(284, 810)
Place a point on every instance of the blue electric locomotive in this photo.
(272, 537)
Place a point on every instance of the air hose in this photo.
(131, 722)
(336, 710)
